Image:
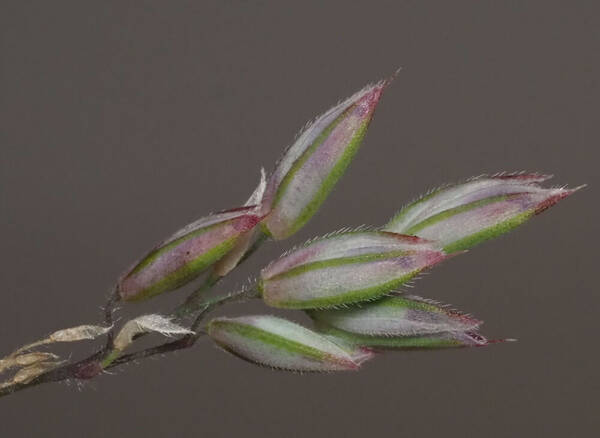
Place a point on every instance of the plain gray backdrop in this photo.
(122, 121)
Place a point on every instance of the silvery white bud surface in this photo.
(402, 315)
(452, 339)
(187, 253)
(318, 158)
(278, 343)
(462, 215)
(345, 268)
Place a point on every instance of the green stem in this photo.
(193, 303)
(210, 305)
(262, 238)
(110, 358)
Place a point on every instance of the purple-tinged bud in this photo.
(318, 158)
(397, 316)
(278, 343)
(246, 240)
(418, 342)
(462, 215)
(187, 253)
(345, 268)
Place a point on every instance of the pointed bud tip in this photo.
(467, 319)
(573, 190)
(388, 81)
(366, 104)
(500, 341)
(558, 195)
(481, 341)
(362, 355)
(371, 97)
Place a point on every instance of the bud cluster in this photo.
(347, 282)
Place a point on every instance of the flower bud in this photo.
(462, 215)
(415, 342)
(279, 343)
(318, 158)
(226, 264)
(184, 255)
(345, 268)
(397, 316)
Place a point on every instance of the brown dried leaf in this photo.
(78, 333)
(27, 374)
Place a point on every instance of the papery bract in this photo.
(345, 268)
(25, 360)
(188, 252)
(279, 343)
(463, 215)
(318, 158)
(147, 324)
(397, 316)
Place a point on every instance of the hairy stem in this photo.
(115, 358)
(179, 344)
(193, 303)
(108, 316)
(108, 358)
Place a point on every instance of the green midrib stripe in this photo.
(488, 233)
(306, 155)
(405, 210)
(332, 177)
(154, 254)
(278, 341)
(454, 211)
(322, 264)
(426, 341)
(346, 297)
(187, 272)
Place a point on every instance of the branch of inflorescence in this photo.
(186, 341)
(107, 357)
(96, 363)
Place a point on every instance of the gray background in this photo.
(123, 121)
